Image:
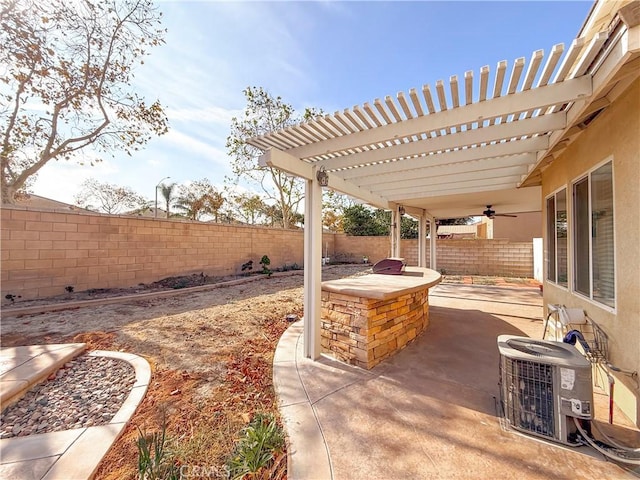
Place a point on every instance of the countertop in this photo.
(383, 287)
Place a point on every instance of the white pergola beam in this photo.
(422, 178)
(531, 126)
(444, 186)
(342, 186)
(521, 160)
(283, 161)
(288, 163)
(562, 92)
(453, 191)
(528, 145)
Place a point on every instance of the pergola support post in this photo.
(312, 267)
(433, 229)
(422, 240)
(396, 222)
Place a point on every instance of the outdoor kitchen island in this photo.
(369, 318)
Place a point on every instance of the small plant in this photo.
(12, 297)
(256, 452)
(181, 284)
(247, 266)
(69, 288)
(154, 459)
(265, 262)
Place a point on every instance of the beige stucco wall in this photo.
(523, 228)
(614, 134)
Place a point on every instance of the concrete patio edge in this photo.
(297, 412)
(77, 453)
(33, 367)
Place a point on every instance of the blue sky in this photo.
(329, 55)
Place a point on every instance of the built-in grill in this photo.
(389, 266)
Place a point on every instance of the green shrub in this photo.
(155, 462)
(265, 262)
(260, 443)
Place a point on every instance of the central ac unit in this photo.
(543, 384)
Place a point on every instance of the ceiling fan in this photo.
(490, 213)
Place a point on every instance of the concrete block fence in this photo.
(43, 251)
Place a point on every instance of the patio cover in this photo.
(450, 150)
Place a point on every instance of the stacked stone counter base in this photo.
(371, 320)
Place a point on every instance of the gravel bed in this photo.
(87, 391)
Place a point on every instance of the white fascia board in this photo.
(287, 163)
(342, 186)
(530, 126)
(540, 97)
(529, 145)
(480, 165)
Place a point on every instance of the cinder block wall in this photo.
(456, 257)
(485, 257)
(45, 251)
(354, 248)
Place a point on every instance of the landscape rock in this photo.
(90, 392)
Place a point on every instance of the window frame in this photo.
(573, 240)
(554, 195)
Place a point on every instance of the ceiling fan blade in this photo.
(505, 215)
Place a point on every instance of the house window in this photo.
(557, 238)
(594, 243)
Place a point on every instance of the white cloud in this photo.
(61, 180)
(201, 149)
(208, 114)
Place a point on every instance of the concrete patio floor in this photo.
(432, 411)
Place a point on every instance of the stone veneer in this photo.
(364, 331)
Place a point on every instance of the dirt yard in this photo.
(210, 352)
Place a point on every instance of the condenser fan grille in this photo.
(529, 396)
(531, 347)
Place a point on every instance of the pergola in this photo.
(450, 150)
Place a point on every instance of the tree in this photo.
(109, 198)
(67, 70)
(265, 113)
(198, 199)
(249, 207)
(167, 191)
(333, 205)
(359, 220)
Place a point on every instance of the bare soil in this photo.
(211, 354)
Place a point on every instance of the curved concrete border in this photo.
(73, 453)
(307, 453)
(53, 307)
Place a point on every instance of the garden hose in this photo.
(622, 455)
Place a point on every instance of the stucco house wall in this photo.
(523, 228)
(612, 135)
